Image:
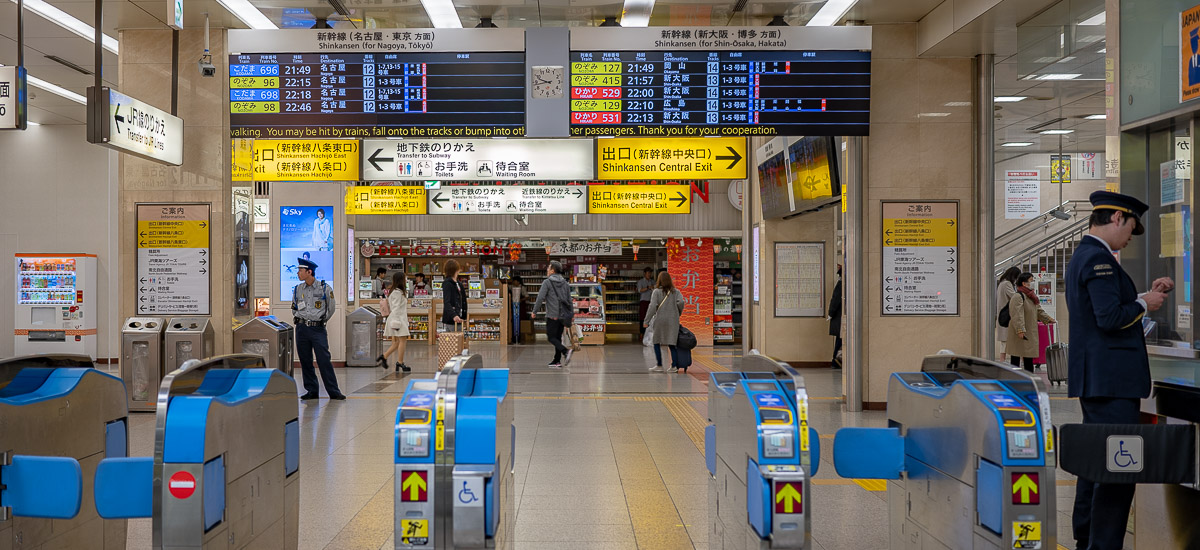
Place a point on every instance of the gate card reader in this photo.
(965, 434)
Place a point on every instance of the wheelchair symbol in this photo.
(1122, 458)
(466, 495)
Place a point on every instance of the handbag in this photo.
(686, 339)
(1005, 317)
(385, 308)
(648, 339)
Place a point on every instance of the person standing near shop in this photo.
(1108, 368)
(645, 287)
(835, 320)
(312, 305)
(666, 307)
(379, 283)
(396, 325)
(1025, 310)
(555, 292)
(1004, 292)
(454, 298)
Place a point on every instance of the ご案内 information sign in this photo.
(173, 260)
(920, 258)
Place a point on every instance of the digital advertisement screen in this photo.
(304, 232)
(763, 93)
(811, 169)
(294, 95)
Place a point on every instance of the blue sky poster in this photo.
(304, 232)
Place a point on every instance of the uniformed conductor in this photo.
(1108, 369)
(312, 306)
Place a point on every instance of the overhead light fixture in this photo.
(1046, 124)
(636, 13)
(442, 14)
(1009, 98)
(55, 89)
(248, 14)
(32, 123)
(1102, 50)
(959, 104)
(1094, 20)
(831, 13)
(1056, 132)
(1017, 144)
(933, 114)
(1058, 76)
(1096, 117)
(69, 22)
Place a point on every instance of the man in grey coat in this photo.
(555, 292)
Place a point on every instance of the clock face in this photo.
(546, 81)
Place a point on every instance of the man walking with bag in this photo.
(560, 311)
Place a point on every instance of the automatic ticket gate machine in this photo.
(226, 460)
(970, 455)
(58, 418)
(1162, 457)
(454, 459)
(761, 454)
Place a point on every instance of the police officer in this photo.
(312, 306)
(1108, 369)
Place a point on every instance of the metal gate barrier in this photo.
(58, 418)
(970, 454)
(761, 454)
(225, 464)
(454, 459)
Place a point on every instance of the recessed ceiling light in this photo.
(933, 114)
(1056, 132)
(1096, 117)
(1058, 76)
(32, 123)
(442, 14)
(831, 13)
(1009, 98)
(1102, 50)
(55, 89)
(1017, 144)
(959, 104)
(248, 14)
(636, 13)
(69, 22)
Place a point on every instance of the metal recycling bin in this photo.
(142, 361)
(187, 338)
(269, 337)
(363, 329)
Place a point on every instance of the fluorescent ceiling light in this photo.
(831, 13)
(442, 14)
(69, 22)
(1102, 50)
(1058, 76)
(55, 89)
(1096, 117)
(1056, 132)
(933, 114)
(32, 123)
(636, 13)
(1008, 98)
(1017, 144)
(1094, 20)
(242, 9)
(959, 104)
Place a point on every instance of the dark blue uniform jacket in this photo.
(1108, 349)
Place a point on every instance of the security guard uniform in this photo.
(1108, 368)
(312, 306)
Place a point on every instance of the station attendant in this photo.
(645, 288)
(1108, 369)
(312, 306)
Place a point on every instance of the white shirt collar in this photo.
(1102, 241)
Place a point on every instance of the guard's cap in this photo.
(307, 264)
(1107, 200)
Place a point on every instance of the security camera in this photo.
(206, 67)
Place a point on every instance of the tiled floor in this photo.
(608, 455)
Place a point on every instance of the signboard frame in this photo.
(441, 202)
(883, 263)
(819, 311)
(712, 158)
(101, 119)
(573, 159)
(16, 98)
(208, 276)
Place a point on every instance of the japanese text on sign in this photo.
(173, 259)
(639, 199)
(920, 258)
(303, 160)
(398, 199)
(701, 158)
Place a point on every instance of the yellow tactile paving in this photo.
(688, 418)
(709, 364)
(872, 484)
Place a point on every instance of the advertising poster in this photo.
(242, 235)
(690, 263)
(1060, 168)
(1189, 55)
(1172, 186)
(304, 232)
(1022, 194)
(1089, 166)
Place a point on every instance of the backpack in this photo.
(1005, 317)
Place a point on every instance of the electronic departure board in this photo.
(409, 94)
(792, 93)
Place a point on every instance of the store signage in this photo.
(131, 126)
(386, 199)
(12, 98)
(302, 160)
(601, 248)
(173, 259)
(509, 199)
(639, 199)
(736, 194)
(920, 258)
(1022, 194)
(477, 159)
(690, 263)
(438, 250)
(1189, 55)
(678, 158)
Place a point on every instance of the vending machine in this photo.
(56, 304)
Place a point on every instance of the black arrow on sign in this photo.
(142, 234)
(735, 158)
(143, 289)
(950, 260)
(889, 232)
(117, 117)
(142, 280)
(950, 269)
(889, 289)
(888, 298)
(203, 271)
(578, 193)
(142, 299)
(681, 198)
(888, 242)
(889, 308)
(950, 250)
(951, 222)
(203, 252)
(375, 159)
(438, 197)
(142, 244)
(203, 261)
(889, 279)
(203, 225)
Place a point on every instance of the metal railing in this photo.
(1051, 253)
(1074, 208)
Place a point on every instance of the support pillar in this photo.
(985, 203)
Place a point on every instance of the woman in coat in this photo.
(835, 320)
(1004, 292)
(666, 305)
(396, 324)
(1022, 329)
(454, 298)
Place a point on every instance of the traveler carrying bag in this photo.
(450, 344)
(648, 339)
(1056, 361)
(686, 340)
(1005, 316)
(573, 337)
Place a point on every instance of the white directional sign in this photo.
(12, 98)
(920, 258)
(134, 127)
(477, 159)
(509, 199)
(173, 259)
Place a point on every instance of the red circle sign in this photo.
(181, 485)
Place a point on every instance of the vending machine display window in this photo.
(48, 281)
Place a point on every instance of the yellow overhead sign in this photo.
(676, 158)
(393, 199)
(639, 199)
(303, 160)
(920, 224)
(183, 226)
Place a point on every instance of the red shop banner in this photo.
(690, 263)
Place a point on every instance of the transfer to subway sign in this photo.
(173, 260)
(920, 258)
(386, 199)
(477, 159)
(303, 160)
(508, 199)
(639, 199)
(677, 158)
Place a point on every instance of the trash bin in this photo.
(269, 337)
(364, 326)
(187, 338)
(142, 361)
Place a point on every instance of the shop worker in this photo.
(312, 306)
(1108, 369)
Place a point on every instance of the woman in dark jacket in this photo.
(835, 319)
(454, 297)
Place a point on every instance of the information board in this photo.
(386, 199)
(639, 199)
(920, 258)
(477, 159)
(173, 257)
(299, 160)
(509, 199)
(799, 279)
(680, 158)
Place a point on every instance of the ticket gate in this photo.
(187, 338)
(269, 337)
(969, 452)
(58, 418)
(761, 454)
(454, 459)
(226, 460)
(142, 360)
(1161, 457)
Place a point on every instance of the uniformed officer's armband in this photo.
(1103, 270)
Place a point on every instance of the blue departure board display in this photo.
(345, 95)
(663, 93)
